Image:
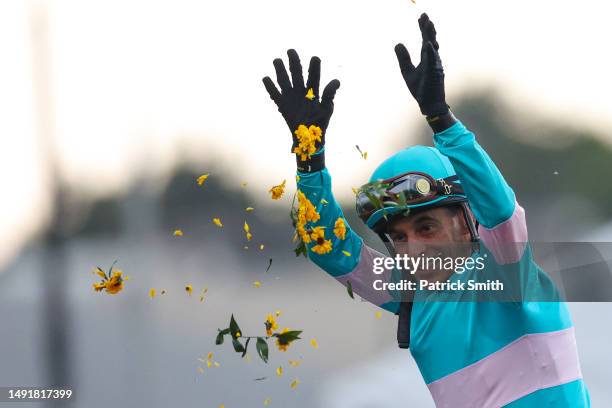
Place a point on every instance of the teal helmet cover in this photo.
(418, 158)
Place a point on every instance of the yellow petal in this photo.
(310, 94)
(189, 289)
(209, 356)
(202, 179)
(378, 315)
(267, 402)
(249, 209)
(217, 222)
(279, 371)
(257, 284)
(346, 253)
(217, 364)
(208, 363)
(246, 227)
(314, 343)
(294, 363)
(152, 293)
(177, 233)
(365, 155)
(277, 313)
(324, 201)
(261, 247)
(295, 383)
(238, 334)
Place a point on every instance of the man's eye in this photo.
(398, 237)
(426, 228)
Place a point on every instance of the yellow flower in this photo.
(307, 138)
(340, 228)
(279, 371)
(324, 201)
(271, 325)
(257, 284)
(295, 383)
(249, 209)
(365, 155)
(310, 94)
(277, 313)
(98, 287)
(281, 342)
(202, 179)
(238, 334)
(261, 247)
(177, 233)
(217, 222)
(115, 284)
(208, 363)
(346, 253)
(294, 363)
(314, 343)
(247, 230)
(189, 289)
(323, 245)
(152, 293)
(277, 191)
(209, 356)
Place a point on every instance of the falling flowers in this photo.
(283, 339)
(202, 179)
(278, 191)
(112, 282)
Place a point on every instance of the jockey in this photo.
(515, 348)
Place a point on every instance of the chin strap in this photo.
(404, 313)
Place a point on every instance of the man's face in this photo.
(438, 232)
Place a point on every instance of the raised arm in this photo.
(491, 199)
(330, 241)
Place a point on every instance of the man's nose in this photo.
(412, 248)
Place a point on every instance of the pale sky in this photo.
(133, 82)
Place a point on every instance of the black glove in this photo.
(426, 81)
(300, 108)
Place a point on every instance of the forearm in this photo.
(349, 260)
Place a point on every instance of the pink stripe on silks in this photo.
(507, 241)
(363, 277)
(530, 363)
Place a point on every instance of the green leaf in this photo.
(289, 336)
(234, 328)
(301, 249)
(246, 347)
(349, 289)
(262, 349)
(269, 265)
(238, 347)
(220, 336)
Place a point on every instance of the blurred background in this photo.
(112, 109)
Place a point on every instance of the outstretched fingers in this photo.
(281, 75)
(403, 58)
(327, 100)
(295, 67)
(275, 95)
(428, 30)
(314, 75)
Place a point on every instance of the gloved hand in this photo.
(300, 105)
(426, 81)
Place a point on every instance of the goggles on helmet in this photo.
(404, 190)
